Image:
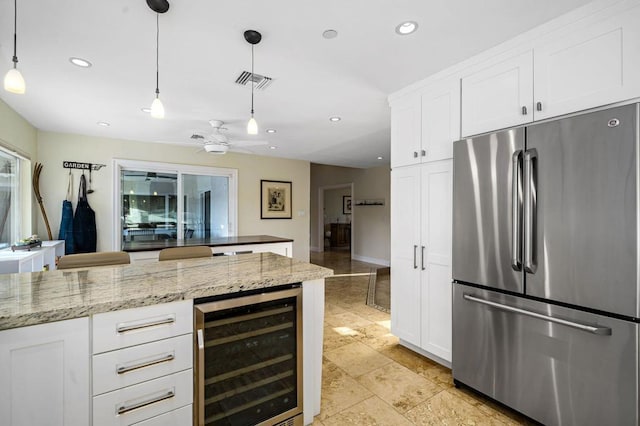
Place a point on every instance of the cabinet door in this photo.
(44, 371)
(589, 67)
(440, 120)
(498, 97)
(405, 131)
(436, 258)
(405, 244)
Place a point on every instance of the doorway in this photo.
(335, 218)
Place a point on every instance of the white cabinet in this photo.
(424, 125)
(421, 256)
(142, 365)
(590, 63)
(283, 249)
(589, 67)
(498, 96)
(44, 374)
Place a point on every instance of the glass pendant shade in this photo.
(157, 109)
(252, 126)
(14, 82)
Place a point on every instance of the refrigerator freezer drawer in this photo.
(556, 365)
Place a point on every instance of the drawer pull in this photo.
(124, 327)
(128, 368)
(123, 409)
(601, 331)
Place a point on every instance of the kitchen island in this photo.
(82, 297)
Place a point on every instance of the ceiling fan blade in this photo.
(249, 143)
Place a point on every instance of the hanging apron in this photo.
(66, 224)
(84, 222)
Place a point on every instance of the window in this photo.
(158, 201)
(13, 196)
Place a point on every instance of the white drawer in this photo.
(180, 417)
(126, 367)
(152, 398)
(129, 327)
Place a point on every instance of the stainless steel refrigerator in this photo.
(545, 268)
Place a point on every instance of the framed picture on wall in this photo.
(275, 199)
(346, 204)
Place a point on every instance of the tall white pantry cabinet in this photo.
(588, 58)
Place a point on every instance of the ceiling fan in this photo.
(217, 142)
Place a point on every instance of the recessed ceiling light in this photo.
(82, 63)
(271, 130)
(273, 147)
(406, 28)
(145, 110)
(329, 34)
(336, 118)
(379, 158)
(103, 124)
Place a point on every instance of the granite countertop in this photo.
(41, 297)
(132, 246)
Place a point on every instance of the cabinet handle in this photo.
(122, 409)
(125, 327)
(415, 154)
(524, 110)
(415, 264)
(422, 258)
(539, 106)
(128, 368)
(423, 152)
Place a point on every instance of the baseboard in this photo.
(424, 353)
(317, 249)
(382, 262)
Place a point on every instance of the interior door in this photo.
(485, 234)
(585, 228)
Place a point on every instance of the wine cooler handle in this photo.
(200, 373)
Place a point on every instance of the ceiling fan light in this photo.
(14, 82)
(157, 109)
(252, 126)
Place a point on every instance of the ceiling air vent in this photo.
(261, 82)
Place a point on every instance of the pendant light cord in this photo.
(15, 30)
(157, 53)
(252, 80)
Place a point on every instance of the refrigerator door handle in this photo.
(516, 210)
(601, 331)
(530, 213)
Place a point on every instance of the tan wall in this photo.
(54, 148)
(370, 224)
(333, 211)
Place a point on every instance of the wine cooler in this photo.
(249, 360)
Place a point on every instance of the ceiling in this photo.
(202, 52)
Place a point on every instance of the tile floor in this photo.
(369, 379)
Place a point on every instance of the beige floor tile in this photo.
(447, 409)
(339, 390)
(370, 313)
(399, 387)
(356, 358)
(370, 412)
(331, 309)
(375, 336)
(346, 319)
(317, 422)
(335, 337)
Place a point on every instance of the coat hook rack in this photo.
(81, 166)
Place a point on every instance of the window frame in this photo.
(21, 204)
(179, 169)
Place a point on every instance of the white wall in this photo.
(54, 148)
(370, 224)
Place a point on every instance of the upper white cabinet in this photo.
(590, 63)
(498, 96)
(44, 372)
(424, 125)
(406, 131)
(593, 66)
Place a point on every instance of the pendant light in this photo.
(253, 38)
(13, 80)
(157, 109)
